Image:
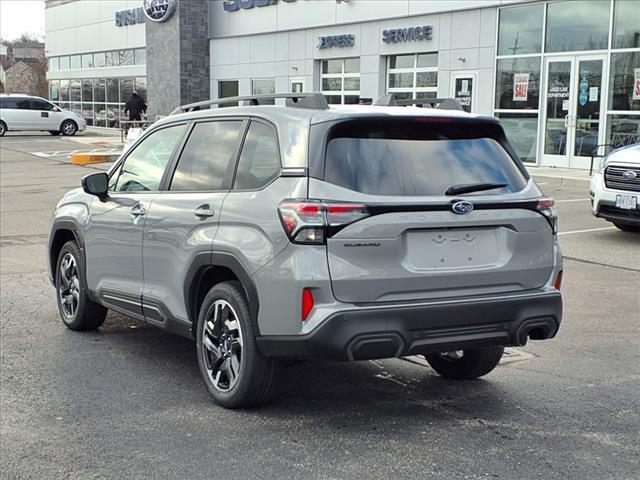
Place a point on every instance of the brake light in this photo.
(546, 206)
(306, 221)
(307, 303)
(558, 281)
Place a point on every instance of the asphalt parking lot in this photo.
(127, 401)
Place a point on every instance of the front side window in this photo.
(412, 157)
(413, 76)
(341, 80)
(580, 25)
(143, 168)
(259, 162)
(41, 105)
(207, 157)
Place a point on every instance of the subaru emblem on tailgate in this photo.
(462, 207)
(629, 175)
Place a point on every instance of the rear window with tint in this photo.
(414, 157)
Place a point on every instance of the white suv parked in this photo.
(615, 189)
(25, 112)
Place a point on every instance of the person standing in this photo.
(135, 106)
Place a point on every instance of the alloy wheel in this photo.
(69, 128)
(69, 288)
(222, 345)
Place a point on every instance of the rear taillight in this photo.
(307, 221)
(558, 281)
(546, 207)
(307, 303)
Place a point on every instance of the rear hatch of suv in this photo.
(405, 241)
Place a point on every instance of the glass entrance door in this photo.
(572, 110)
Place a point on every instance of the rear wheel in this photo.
(465, 364)
(236, 374)
(77, 311)
(68, 128)
(625, 227)
(3, 128)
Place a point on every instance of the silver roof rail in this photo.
(390, 100)
(300, 100)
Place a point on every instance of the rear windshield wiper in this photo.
(472, 187)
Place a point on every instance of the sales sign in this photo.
(520, 87)
(636, 84)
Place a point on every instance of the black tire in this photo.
(473, 364)
(256, 378)
(54, 132)
(3, 128)
(625, 227)
(87, 315)
(68, 128)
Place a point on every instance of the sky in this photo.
(19, 16)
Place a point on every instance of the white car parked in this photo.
(615, 189)
(26, 112)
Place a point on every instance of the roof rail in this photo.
(390, 100)
(300, 100)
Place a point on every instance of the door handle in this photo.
(204, 211)
(137, 210)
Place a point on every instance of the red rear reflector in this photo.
(558, 282)
(307, 303)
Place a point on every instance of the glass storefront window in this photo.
(226, 89)
(264, 86)
(412, 76)
(54, 64)
(140, 56)
(75, 90)
(126, 88)
(87, 90)
(112, 59)
(578, 25)
(74, 62)
(518, 83)
(126, 57)
(623, 130)
(140, 86)
(522, 132)
(64, 90)
(621, 81)
(626, 24)
(99, 90)
(99, 59)
(87, 60)
(54, 90)
(87, 113)
(64, 63)
(113, 95)
(520, 30)
(341, 80)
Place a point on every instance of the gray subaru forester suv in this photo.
(302, 231)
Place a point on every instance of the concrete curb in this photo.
(89, 158)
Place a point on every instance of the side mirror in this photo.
(96, 184)
(57, 109)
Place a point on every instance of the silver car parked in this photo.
(303, 231)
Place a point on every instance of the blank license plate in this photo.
(626, 202)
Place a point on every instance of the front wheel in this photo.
(77, 311)
(236, 374)
(68, 128)
(625, 227)
(3, 128)
(465, 364)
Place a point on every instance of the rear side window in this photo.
(15, 103)
(418, 157)
(207, 157)
(259, 162)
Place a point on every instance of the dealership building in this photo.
(562, 76)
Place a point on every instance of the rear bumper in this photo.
(394, 331)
